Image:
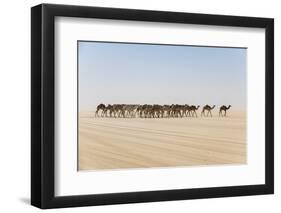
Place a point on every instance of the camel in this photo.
(101, 107)
(208, 109)
(108, 108)
(148, 112)
(156, 111)
(130, 110)
(193, 110)
(177, 110)
(223, 108)
(140, 110)
(165, 111)
(186, 110)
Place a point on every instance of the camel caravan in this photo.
(155, 111)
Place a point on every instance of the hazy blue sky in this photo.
(162, 74)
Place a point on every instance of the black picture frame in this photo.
(43, 101)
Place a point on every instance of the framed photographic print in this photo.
(139, 106)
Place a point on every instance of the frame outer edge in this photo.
(269, 119)
(36, 84)
(42, 106)
(48, 108)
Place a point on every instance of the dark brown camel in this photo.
(224, 108)
(208, 109)
(186, 110)
(193, 110)
(100, 107)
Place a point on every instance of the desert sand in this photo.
(122, 143)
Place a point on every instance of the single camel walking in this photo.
(208, 109)
(224, 108)
(193, 110)
(100, 107)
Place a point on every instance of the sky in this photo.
(129, 73)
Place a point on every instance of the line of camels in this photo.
(155, 111)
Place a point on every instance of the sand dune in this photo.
(115, 143)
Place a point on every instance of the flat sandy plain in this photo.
(119, 143)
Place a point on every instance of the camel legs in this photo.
(194, 113)
(221, 113)
(104, 113)
(203, 113)
(209, 113)
(96, 113)
(181, 114)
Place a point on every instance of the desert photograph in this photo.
(146, 106)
